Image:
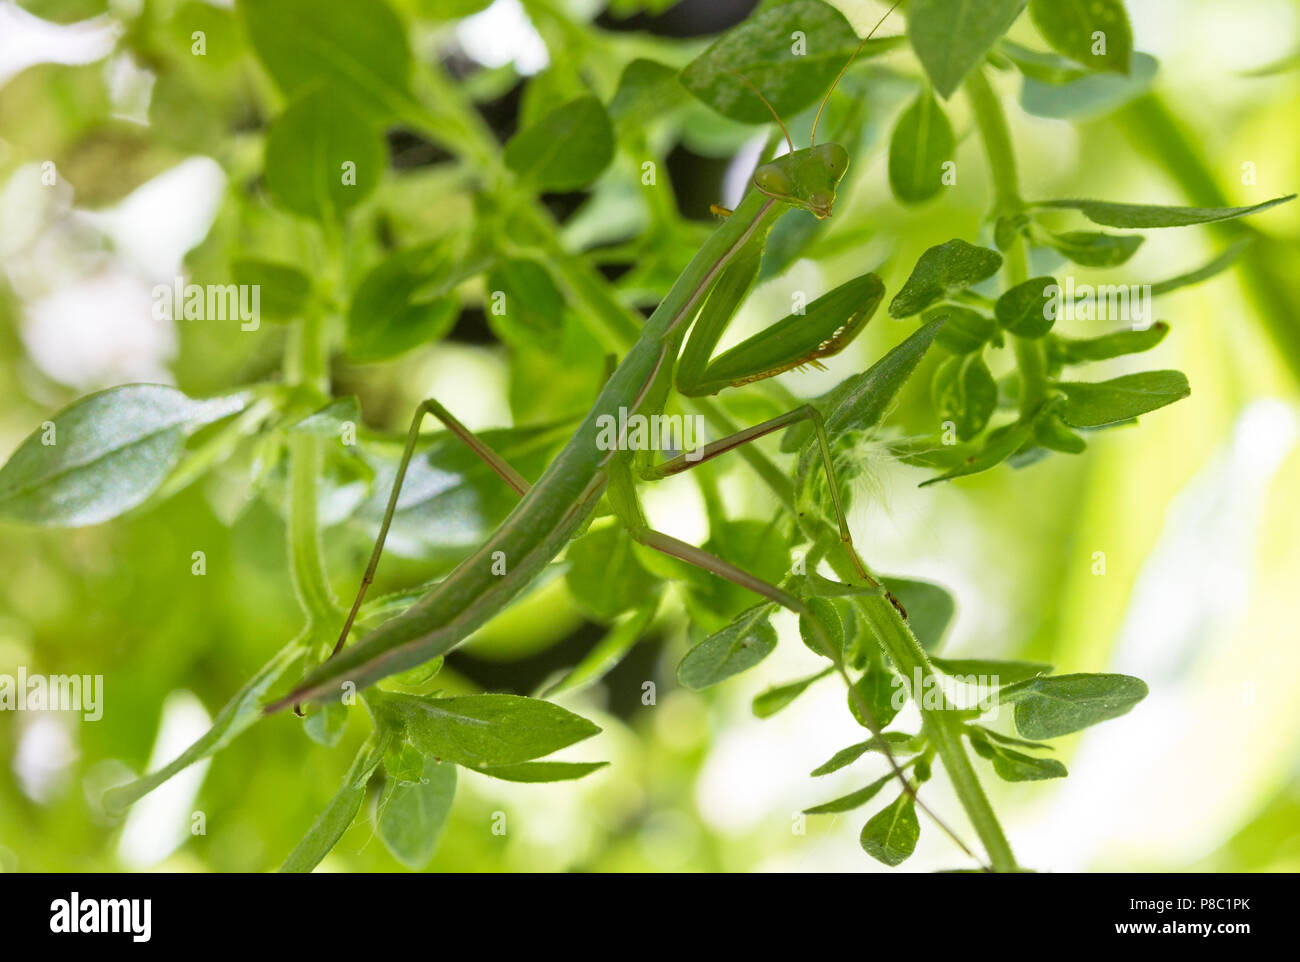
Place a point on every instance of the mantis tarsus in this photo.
(675, 348)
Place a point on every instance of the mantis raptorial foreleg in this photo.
(475, 443)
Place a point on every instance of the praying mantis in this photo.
(675, 350)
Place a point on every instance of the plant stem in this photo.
(305, 363)
(1007, 202)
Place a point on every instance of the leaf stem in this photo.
(1007, 202)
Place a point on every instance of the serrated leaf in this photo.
(762, 48)
(890, 835)
(482, 731)
(1095, 248)
(542, 771)
(323, 158)
(1096, 33)
(921, 144)
(1006, 672)
(1023, 310)
(951, 37)
(942, 270)
(413, 815)
(1013, 766)
(104, 454)
(1119, 399)
(359, 49)
(567, 149)
(846, 803)
(738, 647)
(1150, 216)
(963, 391)
(399, 305)
(768, 703)
(1060, 704)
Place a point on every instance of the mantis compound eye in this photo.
(772, 179)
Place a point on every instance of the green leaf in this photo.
(951, 36)
(825, 615)
(1060, 704)
(329, 420)
(1095, 248)
(900, 743)
(964, 330)
(1053, 433)
(525, 305)
(791, 73)
(1145, 216)
(964, 391)
(1040, 65)
(1217, 264)
(322, 158)
(339, 813)
(604, 575)
(1074, 350)
(859, 402)
(104, 454)
(922, 143)
(412, 815)
(1096, 33)
(768, 703)
(883, 693)
(235, 716)
(646, 88)
(1005, 672)
(1000, 444)
(1014, 766)
(1023, 310)
(403, 762)
(326, 726)
(481, 731)
(846, 803)
(943, 270)
(738, 647)
(565, 150)
(930, 608)
(400, 304)
(628, 629)
(359, 49)
(542, 771)
(1002, 739)
(282, 291)
(1088, 95)
(890, 835)
(1090, 405)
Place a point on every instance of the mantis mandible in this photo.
(675, 348)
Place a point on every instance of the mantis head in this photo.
(805, 178)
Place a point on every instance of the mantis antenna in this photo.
(748, 83)
(812, 140)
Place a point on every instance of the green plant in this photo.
(373, 286)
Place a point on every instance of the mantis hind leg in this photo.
(479, 447)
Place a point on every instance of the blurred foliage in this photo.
(474, 178)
